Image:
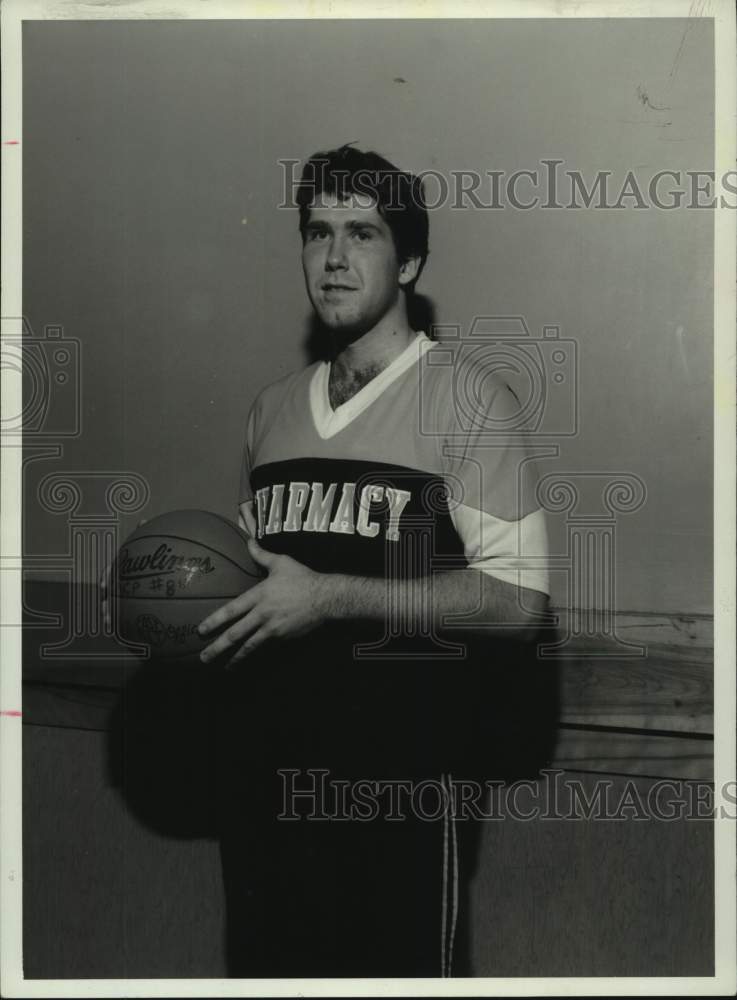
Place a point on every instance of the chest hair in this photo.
(343, 385)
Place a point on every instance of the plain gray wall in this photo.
(151, 234)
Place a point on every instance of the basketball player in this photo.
(378, 506)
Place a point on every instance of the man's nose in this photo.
(336, 258)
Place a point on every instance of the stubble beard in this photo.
(341, 329)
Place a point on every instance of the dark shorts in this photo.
(358, 896)
(346, 898)
(205, 753)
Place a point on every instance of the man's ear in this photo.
(408, 270)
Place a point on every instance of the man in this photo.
(377, 510)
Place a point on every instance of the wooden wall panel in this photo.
(634, 753)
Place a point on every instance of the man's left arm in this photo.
(488, 605)
(293, 600)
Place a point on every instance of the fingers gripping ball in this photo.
(174, 571)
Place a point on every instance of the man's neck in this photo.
(359, 362)
(377, 348)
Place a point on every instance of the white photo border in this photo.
(724, 982)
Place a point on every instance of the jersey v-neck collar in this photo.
(328, 421)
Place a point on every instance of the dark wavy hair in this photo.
(399, 195)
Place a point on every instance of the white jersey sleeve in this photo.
(492, 481)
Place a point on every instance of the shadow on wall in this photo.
(161, 748)
(163, 735)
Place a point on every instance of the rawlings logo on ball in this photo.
(162, 560)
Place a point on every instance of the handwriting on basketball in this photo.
(155, 633)
(163, 570)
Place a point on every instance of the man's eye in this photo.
(315, 234)
(362, 235)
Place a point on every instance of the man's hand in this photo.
(291, 601)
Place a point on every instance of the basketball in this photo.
(172, 572)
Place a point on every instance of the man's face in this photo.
(350, 263)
